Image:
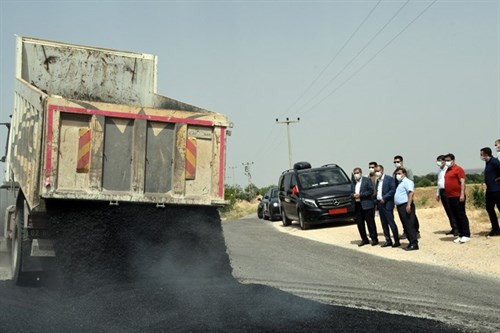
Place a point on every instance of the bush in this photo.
(478, 197)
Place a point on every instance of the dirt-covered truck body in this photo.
(88, 124)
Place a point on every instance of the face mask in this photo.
(397, 165)
(357, 176)
(482, 158)
(399, 177)
(498, 148)
(378, 174)
(372, 170)
(439, 163)
(448, 163)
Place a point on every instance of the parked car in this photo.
(315, 195)
(260, 207)
(271, 209)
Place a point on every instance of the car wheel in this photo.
(265, 216)
(259, 213)
(285, 220)
(302, 222)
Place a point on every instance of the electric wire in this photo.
(372, 58)
(357, 55)
(333, 59)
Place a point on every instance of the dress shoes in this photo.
(411, 247)
(386, 244)
(374, 243)
(398, 244)
(494, 233)
(362, 243)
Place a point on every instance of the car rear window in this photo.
(322, 177)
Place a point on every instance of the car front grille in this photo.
(334, 202)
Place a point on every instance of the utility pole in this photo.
(232, 169)
(288, 122)
(247, 173)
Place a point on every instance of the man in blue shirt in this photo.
(403, 199)
(492, 181)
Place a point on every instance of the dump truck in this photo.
(88, 125)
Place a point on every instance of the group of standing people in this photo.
(382, 192)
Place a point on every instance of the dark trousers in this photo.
(458, 211)
(409, 222)
(446, 206)
(492, 200)
(368, 216)
(387, 221)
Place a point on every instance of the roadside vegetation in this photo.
(244, 201)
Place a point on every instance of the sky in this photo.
(368, 79)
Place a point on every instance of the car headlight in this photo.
(310, 202)
(275, 204)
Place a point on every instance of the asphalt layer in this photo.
(142, 269)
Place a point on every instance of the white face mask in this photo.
(357, 176)
(397, 165)
(498, 148)
(378, 174)
(439, 163)
(483, 158)
(399, 177)
(372, 170)
(448, 163)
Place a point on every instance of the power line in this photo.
(358, 54)
(334, 57)
(372, 58)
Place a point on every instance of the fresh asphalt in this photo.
(334, 275)
(168, 270)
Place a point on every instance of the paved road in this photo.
(168, 271)
(333, 275)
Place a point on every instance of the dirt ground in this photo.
(481, 255)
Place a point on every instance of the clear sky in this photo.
(368, 79)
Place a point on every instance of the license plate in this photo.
(40, 233)
(337, 211)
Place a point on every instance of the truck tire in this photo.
(16, 243)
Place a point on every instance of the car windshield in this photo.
(322, 177)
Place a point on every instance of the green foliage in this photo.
(478, 197)
(422, 202)
(474, 178)
(425, 181)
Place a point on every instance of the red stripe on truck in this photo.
(222, 161)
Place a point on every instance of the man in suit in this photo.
(386, 187)
(362, 192)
